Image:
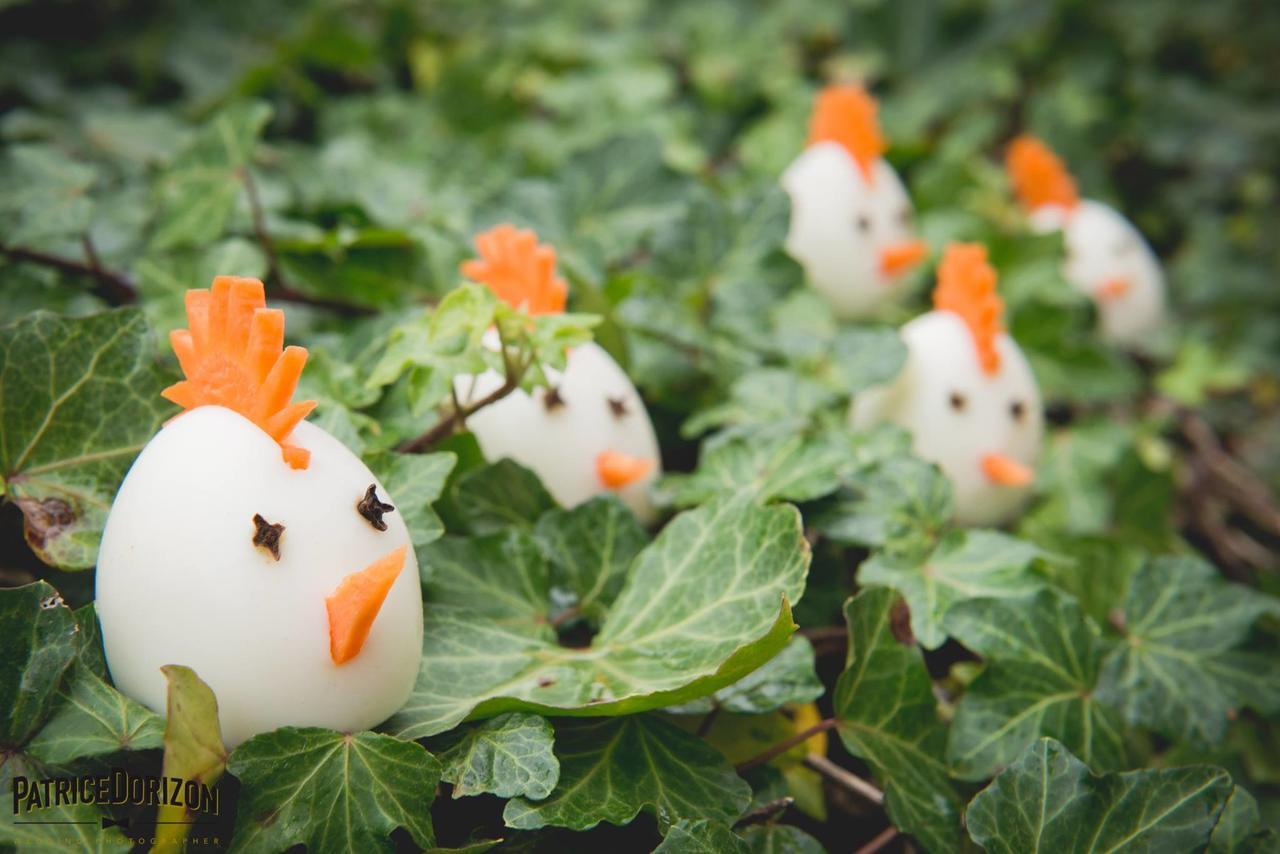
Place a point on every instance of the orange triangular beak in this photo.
(355, 604)
(1006, 471)
(1114, 288)
(897, 258)
(617, 470)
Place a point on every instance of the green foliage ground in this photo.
(1100, 676)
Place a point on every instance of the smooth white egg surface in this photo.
(595, 409)
(1104, 248)
(179, 580)
(957, 414)
(841, 226)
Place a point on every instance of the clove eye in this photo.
(266, 535)
(552, 399)
(904, 216)
(1018, 410)
(372, 509)
(618, 406)
(864, 223)
(958, 401)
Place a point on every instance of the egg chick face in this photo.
(220, 556)
(853, 234)
(980, 428)
(1108, 260)
(585, 434)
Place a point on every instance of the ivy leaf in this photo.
(703, 605)
(779, 839)
(331, 791)
(414, 482)
(967, 564)
(1048, 801)
(79, 829)
(762, 396)
(612, 769)
(1179, 669)
(38, 645)
(1239, 827)
(43, 196)
(865, 357)
(79, 397)
(888, 717)
(199, 192)
(898, 502)
(495, 496)
(193, 748)
(590, 548)
(508, 756)
(701, 837)
(94, 719)
(788, 677)
(1042, 657)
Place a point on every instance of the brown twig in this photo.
(786, 744)
(704, 726)
(115, 288)
(880, 840)
(765, 812)
(844, 778)
(1228, 476)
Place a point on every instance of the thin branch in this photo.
(845, 778)
(786, 744)
(1230, 478)
(704, 726)
(880, 840)
(115, 288)
(765, 812)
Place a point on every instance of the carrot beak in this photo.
(1114, 289)
(355, 604)
(897, 258)
(1006, 471)
(618, 470)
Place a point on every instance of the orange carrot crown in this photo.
(847, 115)
(1038, 176)
(967, 287)
(232, 355)
(519, 269)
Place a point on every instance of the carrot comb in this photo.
(1038, 176)
(847, 115)
(519, 269)
(967, 287)
(232, 355)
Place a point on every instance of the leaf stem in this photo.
(114, 288)
(880, 840)
(788, 743)
(845, 778)
(765, 812)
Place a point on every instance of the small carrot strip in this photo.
(182, 393)
(295, 456)
(244, 298)
(281, 424)
(266, 340)
(197, 305)
(355, 604)
(185, 349)
(278, 387)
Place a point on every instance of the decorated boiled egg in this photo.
(585, 433)
(851, 221)
(254, 547)
(966, 393)
(1107, 258)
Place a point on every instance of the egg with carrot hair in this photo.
(851, 220)
(585, 433)
(966, 393)
(1107, 258)
(254, 547)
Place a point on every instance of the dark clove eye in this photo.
(904, 216)
(864, 223)
(958, 401)
(266, 535)
(1018, 410)
(372, 509)
(618, 406)
(552, 400)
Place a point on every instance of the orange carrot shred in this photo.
(967, 287)
(1038, 176)
(231, 355)
(355, 603)
(617, 470)
(847, 115)
(518, 269)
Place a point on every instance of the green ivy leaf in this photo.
(612, 769)
(900, 502)
(888, 717)
(703, 605)
(1042, 668)
(331, 791)
(43, 196)
(590, 548)
(762, 396)
(1179, 669)
(413, 483)
(865, 357)
(701, 837)
(1048, 801)
(967, 564)
(779, 839)
(39, 643)
(498, 495)
(94, 719)
(508, 756)
(1239, 827)
(788, 677)
(193, 747)
(79, 397)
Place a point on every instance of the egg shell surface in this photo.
(179, 580)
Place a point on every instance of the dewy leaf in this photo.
(701, 837)
(37, 645)
(414, 482)
(590, 548)
(612, 769)
(331, 791)
(967, 564)
(703, 605)
(43, 196)
(508, 756)
(94, 719)
(500, 494)
(1180, 669)
(193, 747)
(79, 397)
(888, 717)
(788, 677)
(1047, 801)
(1042, 657)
